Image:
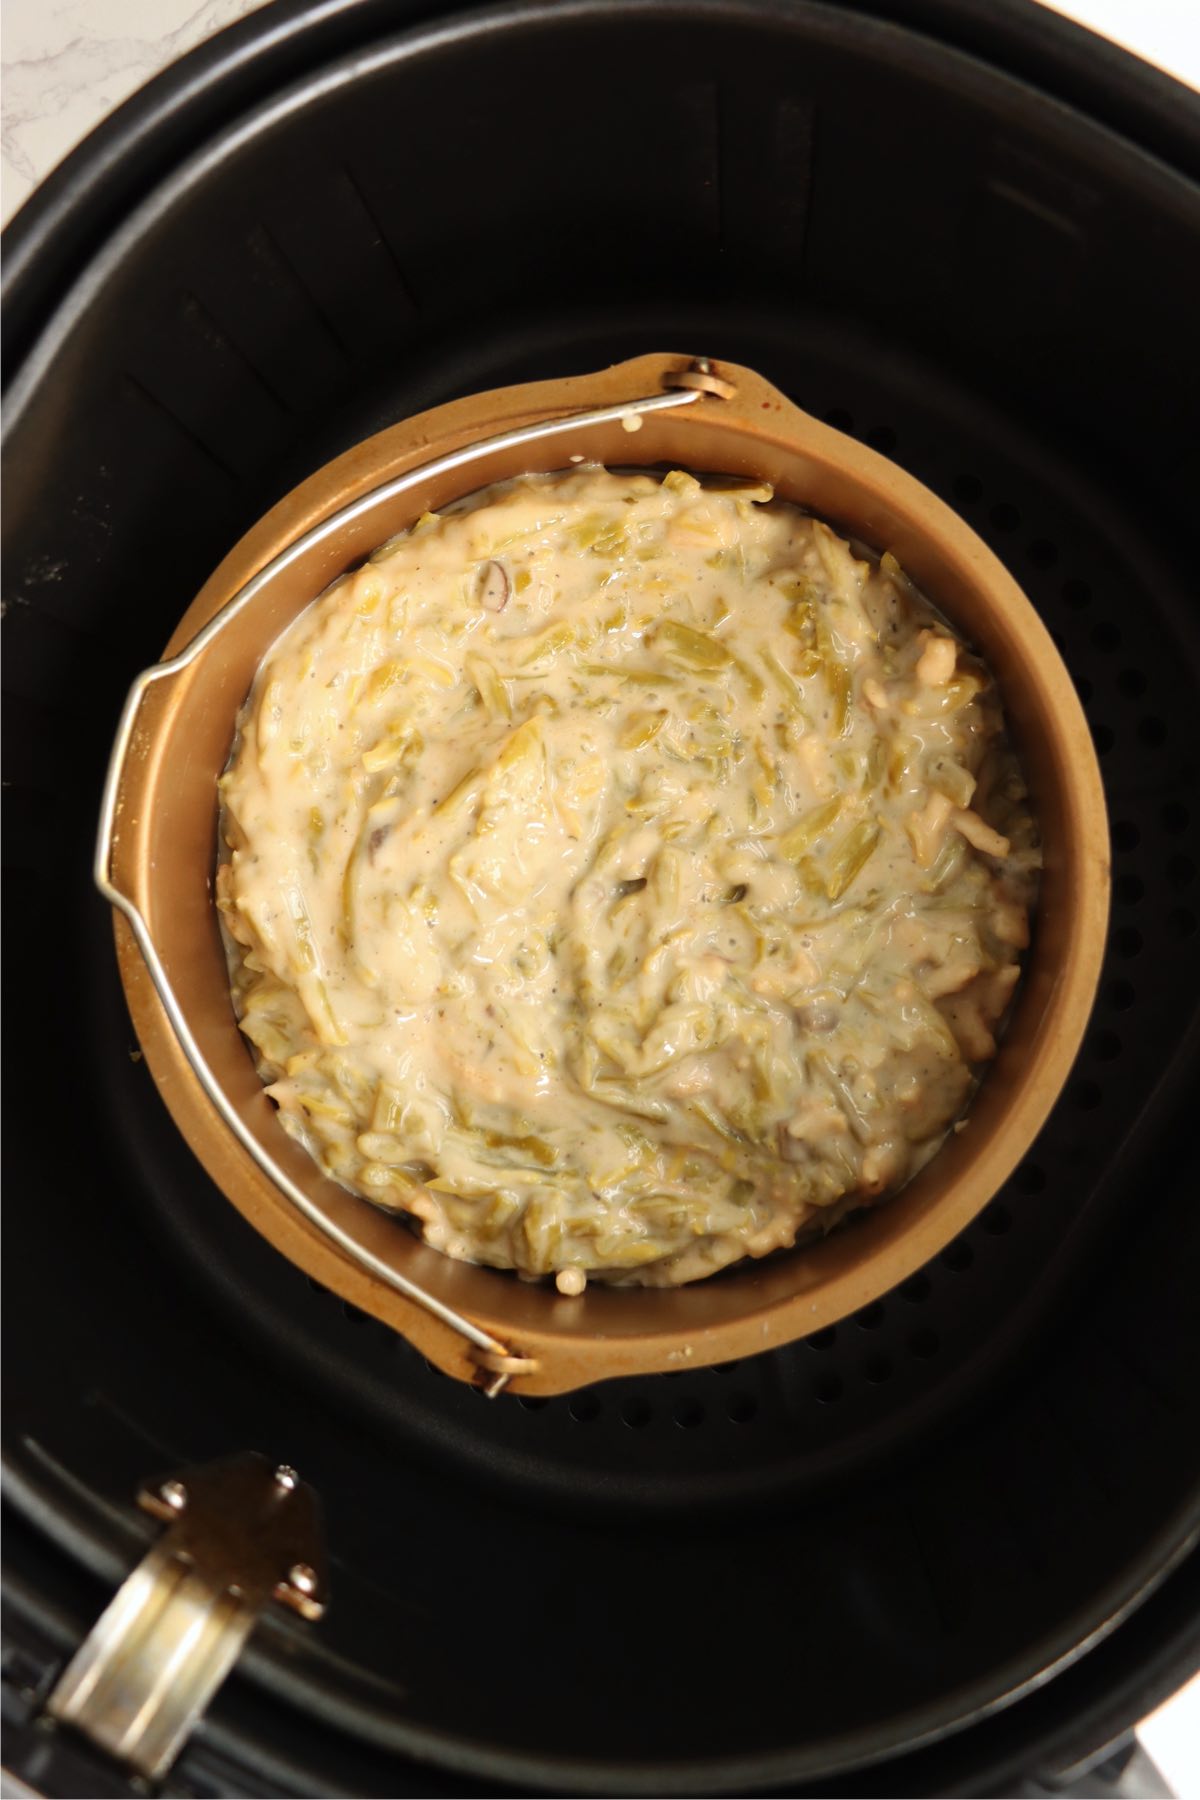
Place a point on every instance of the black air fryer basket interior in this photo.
(951, 1538)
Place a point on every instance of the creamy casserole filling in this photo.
(622, 876)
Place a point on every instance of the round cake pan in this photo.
(156, 858)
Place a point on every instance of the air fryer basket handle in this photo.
(496, 1362)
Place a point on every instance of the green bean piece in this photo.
(836, 674)
(541, 1152)
(693, 649)
(490, 688)
(851, 857)
(641, 729)
(751, 677)
(808, 830)
(946, 864)
(546, 643)
(785, 679)
(642, 677)
(876, 767)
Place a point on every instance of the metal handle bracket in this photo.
(241, 1532)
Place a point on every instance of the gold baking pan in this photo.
(156, 857)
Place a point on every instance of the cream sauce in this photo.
(624, 876)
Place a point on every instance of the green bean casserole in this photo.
(621, 876)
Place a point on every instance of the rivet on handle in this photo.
(501, 1369)
(702, 377)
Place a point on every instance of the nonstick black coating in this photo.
(771, 1572)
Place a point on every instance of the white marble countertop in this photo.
(66, 64)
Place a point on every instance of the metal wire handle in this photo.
(493, 1358)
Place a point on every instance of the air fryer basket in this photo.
(875, 1547)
